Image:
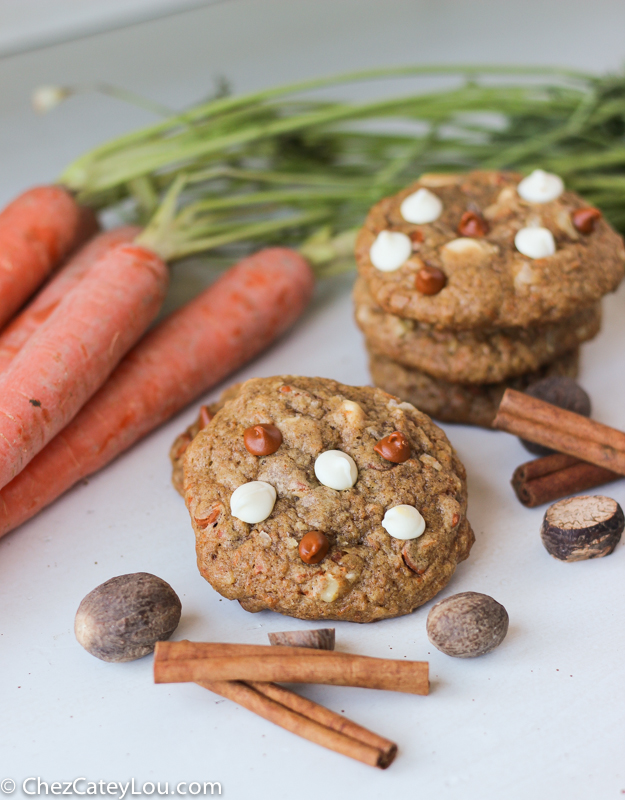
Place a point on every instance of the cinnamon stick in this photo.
(183, 650)
(561, 430)
(324, 716)
(320, 666)
(289, 710)
(261, 703)
(546, 479)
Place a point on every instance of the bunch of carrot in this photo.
(78, 384)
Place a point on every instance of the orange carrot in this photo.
(75, 350)
(193, 349)
(37, 231)
(19, 330)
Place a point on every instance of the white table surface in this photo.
(542, 716)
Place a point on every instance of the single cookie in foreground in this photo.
(471, 404)
(479, 356)
(488, 249)
(393, 532)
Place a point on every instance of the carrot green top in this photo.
(282, 165)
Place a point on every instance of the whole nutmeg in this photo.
(262, 440)
(466, 625)
(314, 547)
(430, 280)
(123, 618)
(394, 447)
(587, 526)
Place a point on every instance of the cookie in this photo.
(183, 440)
(480, 356)
(473, 404)
(385, 540)
(485, 256)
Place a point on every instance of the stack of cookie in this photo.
(471, 284)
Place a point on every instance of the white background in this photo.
(540, 717)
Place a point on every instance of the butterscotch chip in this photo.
(430, 280)
(262, 440)
(472, 224)
(479, 356)
(489, 282)
(365, 574)
(458, 402)
(585, 219)
(394, 447)
(314, 547)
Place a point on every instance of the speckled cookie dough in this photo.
(381, 547)
(473, 404)
(464, 269)
(183, 440)
(481, 356)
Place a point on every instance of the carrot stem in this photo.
(237, 152)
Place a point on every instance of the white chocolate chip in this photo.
(421, 207)
(535, 242)
(540, 187)
(390, 250)
(253, 502)
(331, 589)
(336, 469)
(403, 522)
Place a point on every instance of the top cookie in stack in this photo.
(472, 283)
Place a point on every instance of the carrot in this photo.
(19, 330)
(73, 353)
(193, 349)
(37, 231)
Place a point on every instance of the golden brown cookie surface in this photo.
(367, 573)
